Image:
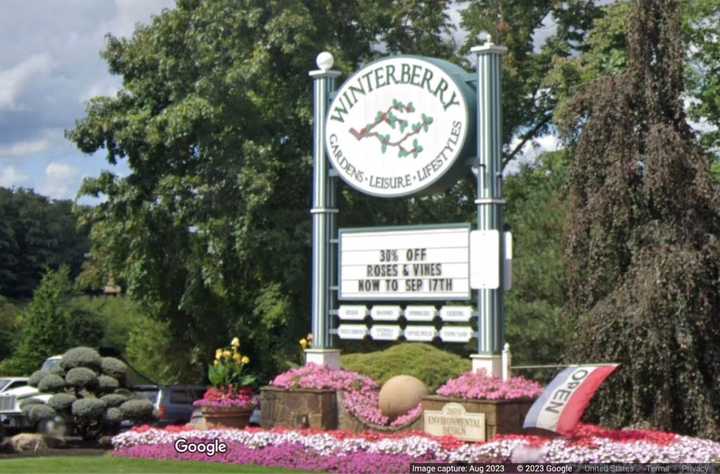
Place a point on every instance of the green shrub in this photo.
(81, 377)
(26, 404)
(81, 357)
(125, 393)
(61, 401)
(57, 370)
(113, 367)
(428, 363)
(137, 409)
(88, 408)
(51, 383)
(36, 377)
(40, 412)
(107, 383)
(113, 416)
(114, 399)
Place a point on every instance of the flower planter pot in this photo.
(227, 417)
(501, 416)
(302, 408)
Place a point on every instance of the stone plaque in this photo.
(453, 420)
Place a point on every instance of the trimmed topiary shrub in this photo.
(424, 361)
(113, 367)
(113, 415)
(30, 401)
(51, 384)
(88, 408)
(107, 383)
(81, 357)
(40, 412)
(114, 399)
(57, 370)
(62, 401)
(125, 393)
(81, 377)
(36, 377)
(137, 409)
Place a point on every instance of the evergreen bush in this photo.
(51, 384)
(81, 357)
(81, 377)
(431, 365)
(62, 401)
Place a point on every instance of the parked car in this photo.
(9, 383)
(173, 403)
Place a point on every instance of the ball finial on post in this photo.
(325, 61)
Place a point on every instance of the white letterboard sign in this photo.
(405, 263)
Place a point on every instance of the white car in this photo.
(11, 416)
(9, 383)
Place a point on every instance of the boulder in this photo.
(401, 394)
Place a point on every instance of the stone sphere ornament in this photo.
(325, 61)
(401, 394)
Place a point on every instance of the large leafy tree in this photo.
(643, 248)
(210, 231)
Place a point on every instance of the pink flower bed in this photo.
(337, 451)
(479, 386)
(217, 398)
(360, 392)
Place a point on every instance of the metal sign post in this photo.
(323, 211)
(489, 202)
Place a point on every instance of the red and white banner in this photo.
(564, 401)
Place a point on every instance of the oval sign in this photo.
(398, 125)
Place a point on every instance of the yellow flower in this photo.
(218, 354)
(227, 354)
(303, 343)
(245, 360)
(217, 362)
(235, 342)
(237, 358)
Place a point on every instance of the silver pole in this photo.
(324, 85)
(489, 200)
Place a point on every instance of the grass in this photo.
(112, 465)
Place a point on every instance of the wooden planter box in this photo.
(302, 408)
(501, 416)
(349, 422)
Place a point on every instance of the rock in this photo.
(401, 394)
(24, 442)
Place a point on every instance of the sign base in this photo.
(325, 357)
(490, 363)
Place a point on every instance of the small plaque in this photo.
(420, 313)
(352, 331)
(385, 333)
(453, 420)
(420, 333)
(385, 313)
(456, 334)
(456, 314)
(352, 312)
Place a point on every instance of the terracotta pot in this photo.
(227, 417)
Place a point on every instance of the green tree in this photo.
(44, 322)
(537, 329)
(36, 233)
(643, 248)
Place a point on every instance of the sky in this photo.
(50, 66)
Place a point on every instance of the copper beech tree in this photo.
(643, 252)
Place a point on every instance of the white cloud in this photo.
(14, 81)
(24, 148)
(10, 176)
(61, 181)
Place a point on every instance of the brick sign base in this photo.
(298, 408)
(501, 416)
